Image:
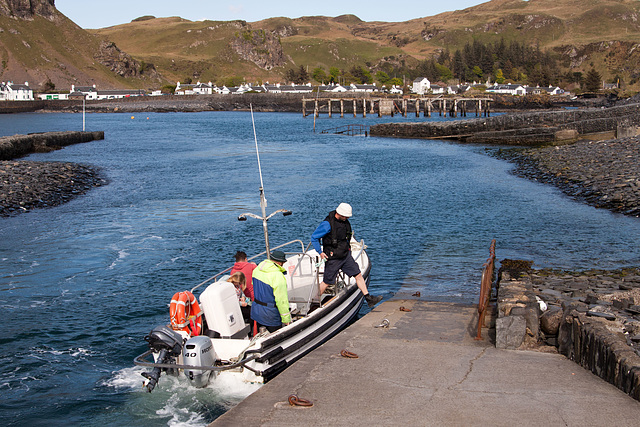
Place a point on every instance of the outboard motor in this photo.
(168, 344)
(198, 351)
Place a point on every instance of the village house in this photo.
(14, 92)
(363, 88)
(334, 88)
(548, 90)
(421, 85)
(508, 89)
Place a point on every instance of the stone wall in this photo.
(593, 319)
(15, 146)
(520, 128)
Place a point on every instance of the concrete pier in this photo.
(426, 369)
(387, 106)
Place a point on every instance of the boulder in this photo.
(550, 320)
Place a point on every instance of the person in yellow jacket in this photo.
(271, 302)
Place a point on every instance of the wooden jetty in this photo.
(391, 106)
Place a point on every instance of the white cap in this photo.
(344, 209)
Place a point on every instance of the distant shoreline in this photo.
(289, 103)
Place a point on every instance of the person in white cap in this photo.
(335, 232)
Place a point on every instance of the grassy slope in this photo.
(180, 48)
(202, 50)
(39, 49)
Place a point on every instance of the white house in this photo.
(52, 96)
(421, 85)
(120, 93)
(334, 88)
(436, 89)
(89, 92)
(508, 89)
(363, 88)
(14, 92)
(203, 88)
(396, 90)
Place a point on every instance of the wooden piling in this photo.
(341, 108)
(329, 107)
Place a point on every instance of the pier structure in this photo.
(391, 106)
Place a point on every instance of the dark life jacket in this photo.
(337, 243)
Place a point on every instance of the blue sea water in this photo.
(82, 283)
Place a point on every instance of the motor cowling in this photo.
(199, 351)
(167, 344)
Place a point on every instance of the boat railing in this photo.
(227, 270)
(485, 287)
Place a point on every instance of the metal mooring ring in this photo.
(294, 400)
(348, 354)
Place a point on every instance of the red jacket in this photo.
(247, 269)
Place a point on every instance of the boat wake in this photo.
(178, 403)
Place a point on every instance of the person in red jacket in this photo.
(247, 269)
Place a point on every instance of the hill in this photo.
(567, 38)
(38, 44)
(581, 34)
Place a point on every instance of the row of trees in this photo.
(499, 62)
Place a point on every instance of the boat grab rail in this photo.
(226, 270)
(139, 361)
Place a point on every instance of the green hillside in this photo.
(556, 39)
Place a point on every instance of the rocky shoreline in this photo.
(604, 174)
(28, 185)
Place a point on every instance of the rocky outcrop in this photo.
(122, 63)
(27, 9)
(26, 185)
(261, 47)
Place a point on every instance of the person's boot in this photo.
(372, 300)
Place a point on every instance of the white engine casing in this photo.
(221, 308)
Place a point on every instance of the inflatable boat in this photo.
(215, 340)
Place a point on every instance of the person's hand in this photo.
(323, 255)
(286, 323)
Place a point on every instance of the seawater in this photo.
(82, 283)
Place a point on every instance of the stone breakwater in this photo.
(26, 185)
(604, 174)
(592, 317)
(15, 146)
(532, 128)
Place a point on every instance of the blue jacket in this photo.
(270, 288)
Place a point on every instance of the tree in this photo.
(382, 77)
(499, 76)
(477, 71)
(319, 75)
(334, 73)
(303, 75)
(593, 81)
(361, 75)
(396, 81)
(187, 80)
(48, 86)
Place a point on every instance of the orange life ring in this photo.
(185, 313)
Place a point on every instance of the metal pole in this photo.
(83, 114)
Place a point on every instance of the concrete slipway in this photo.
(426, 369)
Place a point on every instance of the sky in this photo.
(100, 13)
